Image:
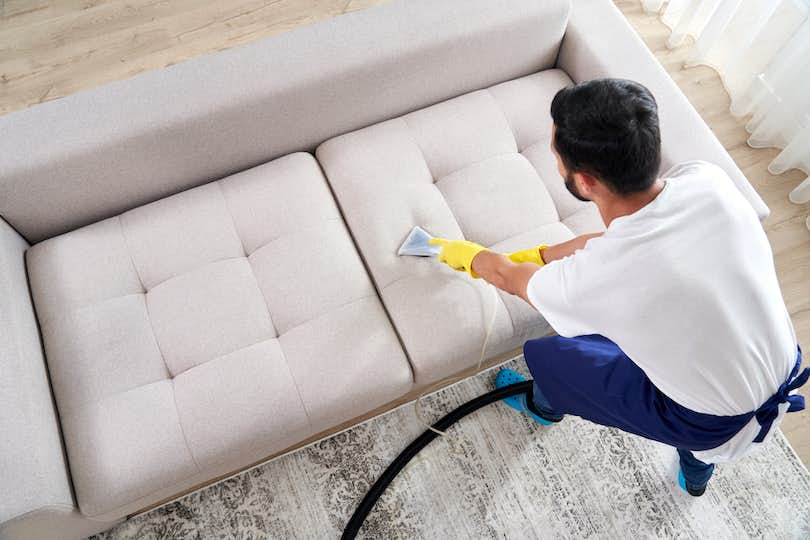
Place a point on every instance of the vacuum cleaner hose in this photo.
(365, 506)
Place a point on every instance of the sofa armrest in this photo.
(36, 500)
(599, 42)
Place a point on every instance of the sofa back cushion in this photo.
(97, 153)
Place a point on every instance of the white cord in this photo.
(450, 380)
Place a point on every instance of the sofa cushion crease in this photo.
(460, 169)
(203, 335)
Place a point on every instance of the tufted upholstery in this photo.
(190, 337)
(207, 330)
(479, 167)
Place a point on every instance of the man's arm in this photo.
(559, 251)
(503, 273)
(500, 270)
(513, 277)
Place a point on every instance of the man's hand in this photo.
(458, 254)
(496, 269)
(510, 273)
(531, 255)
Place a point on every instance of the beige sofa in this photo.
(198, 268)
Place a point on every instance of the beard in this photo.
(572, 187)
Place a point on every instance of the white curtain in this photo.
(761, 49)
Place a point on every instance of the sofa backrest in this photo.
(74, 161)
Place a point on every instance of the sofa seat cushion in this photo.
(479, 167)
(208, 330)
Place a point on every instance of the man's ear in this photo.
(585, 183)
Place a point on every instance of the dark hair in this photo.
(608, 128)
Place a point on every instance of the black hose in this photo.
(365, 506)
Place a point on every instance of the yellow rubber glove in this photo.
(458, 254)
(531, 255)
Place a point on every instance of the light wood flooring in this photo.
(52, 48)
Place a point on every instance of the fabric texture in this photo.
(497, 474)
(599, 42)
(476, 167)
(132, 142)
(193, 336)
(33, 472)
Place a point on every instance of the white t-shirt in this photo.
(687, 287)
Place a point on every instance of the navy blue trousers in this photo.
(696, 472)
(591, 377)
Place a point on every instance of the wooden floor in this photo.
(52, 48)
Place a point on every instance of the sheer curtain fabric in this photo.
(761, 49)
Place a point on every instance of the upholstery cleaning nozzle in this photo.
(418, 244)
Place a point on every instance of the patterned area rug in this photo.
(496, 475)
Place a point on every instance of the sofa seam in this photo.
(521, 150)
(505, 308)
(183, 430)
(419, 148)
(264, 300)
(444, 199)
(162, 355)
(145, 302)
(297, 387)
(192, 270)
(72, 408)
(230, 215)
(124, 239)
(316, 317)
(64, 453)
(372, 280)
(556, 207)
(505, 118)
(199, 470)
(276, 335)
(397, 280)
(51, 319)
(219, 356)
(285, 235)
(474, 163)
(154, 336)
(546, 224)
(483, 301)
(246, 257)
(434, 180)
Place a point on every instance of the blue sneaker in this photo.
(519, 402)
(694, 492)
